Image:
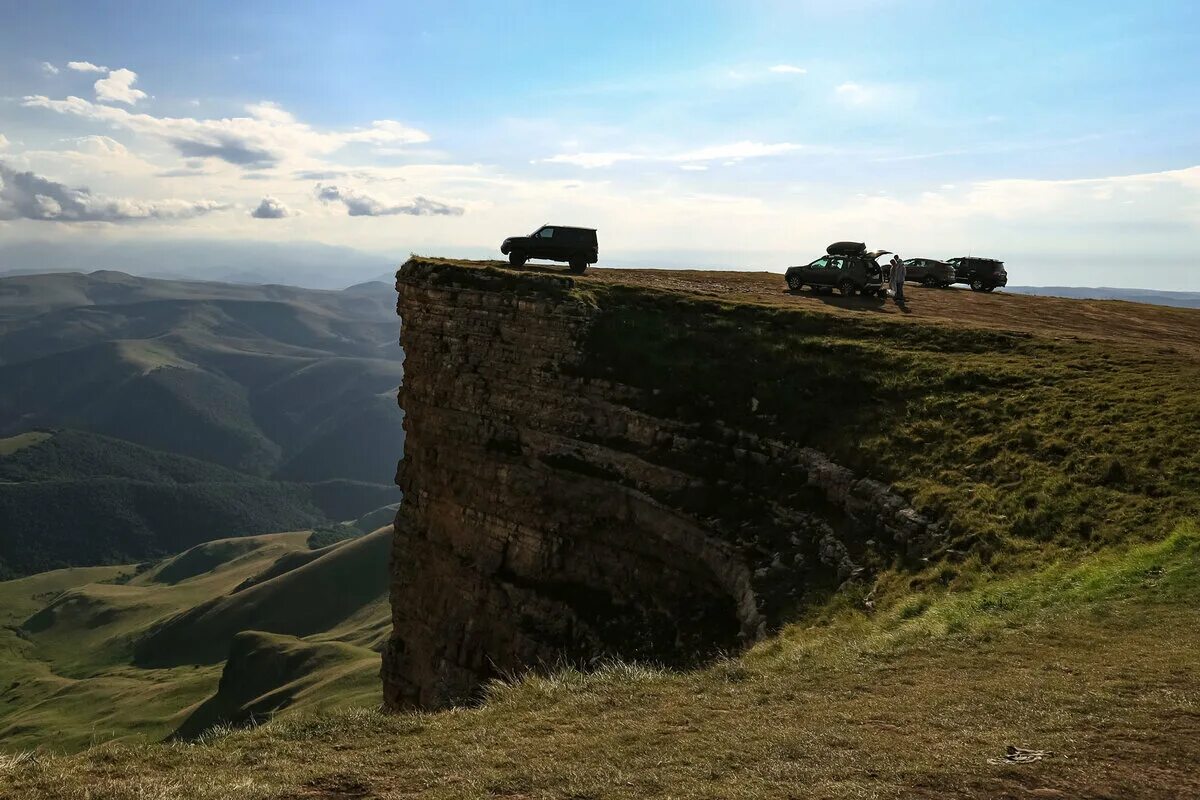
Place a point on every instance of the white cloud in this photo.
(733, 152)
(736, 151)
(361, 205)
(118, 88)
(788, 69)
(85, 66)
(591, 160)
(270, 208)
(854, 94)
(100, 146)
(49, 68)
(25, 195)
(268, 136)
(3, 141)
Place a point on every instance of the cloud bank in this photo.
(361, 205)
(24, 195)
(268, 136)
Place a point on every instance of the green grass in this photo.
(1027, 447)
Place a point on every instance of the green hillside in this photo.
(187, 411)
(74, 498)
(255, 378)
(69, 674)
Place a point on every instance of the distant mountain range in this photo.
(1150, 296)
(308, 264)
(139, 416)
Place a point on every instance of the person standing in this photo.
(899, 273)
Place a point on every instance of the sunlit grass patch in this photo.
(1140, 575)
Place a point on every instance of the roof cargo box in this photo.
(846, 249)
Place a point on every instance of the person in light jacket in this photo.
(899, 273)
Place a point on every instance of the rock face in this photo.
(547, 519)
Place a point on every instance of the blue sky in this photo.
(1062, 137)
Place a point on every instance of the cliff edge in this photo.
(561, 508)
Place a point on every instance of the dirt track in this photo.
(1175, 329)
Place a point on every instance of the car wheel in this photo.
(976, 285)
(847, 288)
(794, 284)
(516, 259)
(578, 267)
(929, 282)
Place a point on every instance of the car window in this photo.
(546, 233)
(837, 262)
(820, 263)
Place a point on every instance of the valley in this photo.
(90, 655)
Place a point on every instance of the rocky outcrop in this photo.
(549, 517)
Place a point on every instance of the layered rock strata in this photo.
(547, 520)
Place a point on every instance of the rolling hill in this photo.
(301, 629)
(246, 376)
(253, 408)
(76, 498)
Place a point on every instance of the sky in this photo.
(1063, 138)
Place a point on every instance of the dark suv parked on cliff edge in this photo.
(981, 274)
(928, 272)
(848, 267)
(576, 246)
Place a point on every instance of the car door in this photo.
(836, 270)
(543, 243)
(815, 273)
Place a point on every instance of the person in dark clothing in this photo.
(898, 275)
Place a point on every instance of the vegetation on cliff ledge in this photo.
(1029, 446)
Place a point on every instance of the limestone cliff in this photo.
(554, 511)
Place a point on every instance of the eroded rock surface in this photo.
(547, 519)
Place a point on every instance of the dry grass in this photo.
(1175, 329)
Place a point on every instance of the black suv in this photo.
(576, 246)
(848, 271)
(981, 274)
(928, 272)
